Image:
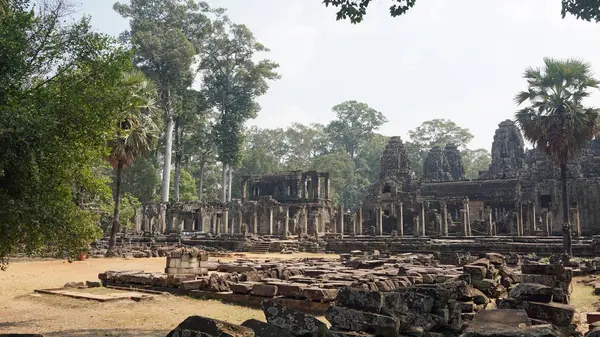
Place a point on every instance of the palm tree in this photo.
(556, 121)
(137, 135)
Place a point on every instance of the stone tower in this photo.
(435, 166)
(507, 152)
(454, 158)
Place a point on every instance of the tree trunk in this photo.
(201, 183)
(112, 242)
(166, 178)
(224, 184)
(229, 184)
(567, 244)
(177, 157)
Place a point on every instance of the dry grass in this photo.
(22, 311)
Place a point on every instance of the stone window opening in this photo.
(386, 212)
(386, 189)
(545, 201)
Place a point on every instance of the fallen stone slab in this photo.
(320, 294)
(533, 292)
(262, 329)
(341, 333)
(292, 290)
(495, 258)
(354, 320)
(477, 272)
(508, 317)
(555, 313)
(241, 288)
(502, 330)
(547, 280)
(400, 303)
(203, 326)
(295, 322)
(360, 299)
(543, 269)
(264, 290)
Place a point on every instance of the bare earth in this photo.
(23, 311)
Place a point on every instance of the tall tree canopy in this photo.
(60, 97)
(232, 81)
(355, 10)
(555, 118)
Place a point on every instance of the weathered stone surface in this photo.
(531, 292)
(360, 299)
(595, 332)
(320, 294)
(354, 320)
(262, 329)
(495, 258)
(74, 285)
(93, 284)
(400, 303)
(476, 272)
(264, 290)
(556, 313)
(340, 333)
(293, 290)
(209, 327)
(241, 288)
(295, 322)
(509, 317)
(503, 330)
(547, 280)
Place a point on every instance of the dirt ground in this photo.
(23, 311)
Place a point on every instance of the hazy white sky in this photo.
(460, 60)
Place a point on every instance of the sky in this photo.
(461, 60)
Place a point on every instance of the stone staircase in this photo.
(260, 247)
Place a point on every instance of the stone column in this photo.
(239, 222)
(521, 224)
(463, 213)
(445, 219)
(201, 221)
(217, 224)
(305, 220)
(577, 223)
(379, 227)
(286, 222)
(400, 219)
(532, 229)
(327, 188)
(353, 227)
(162, 218)
(490, 223)
(244, 189)
(423, 219)
(225, 221)
(417, 225)
(270, 221)
(340, 226)
(547, 223)
(254, 227)
(316, 187)
(359, 221)
(468, 210)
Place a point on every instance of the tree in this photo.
(60, 95)
(435, 132)
(136, 136)
(166, 35)
(141, 179)
(475, 161)
(355, 10)
(187, 187)
(304, 143)
(354, 126)
(232, 82)
(555, 119)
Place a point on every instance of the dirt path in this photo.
(22, 311)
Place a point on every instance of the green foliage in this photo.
(341, 171)
(435, 132)
(187, 187)
(60, 96)
(475, 161)
(232, 82)
(354, 126)
(304, 142)
(355, 10)
(556, 120)
(129, 207)
(141, 180)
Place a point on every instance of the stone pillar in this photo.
(254, 227)
(244, 189)
(316, 187)
(217, 224)
(463, 214)
(577, 223)
(353, 227)
(327, 188)
(490, 223)
(359, 221)
(532, 228)
(270, 221)
(162, 218)
(548, 230)
(305, 220)
(240, 222)
(379, 215)
(225, 221)
(400, 219)
(340, 224)
(417, 225)
(445, 219)
(468, 210)
(521, 224)
(423, 219)
(286, 222)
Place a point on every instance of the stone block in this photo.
(555, 313)
(354, 320)
(509, 317)
(593, 317)
(264, 290)
(320, 294)
(292, 290)
(481, 262)
(359, 299)
(295, 322)
(533, 292)
(198, 325)
(467, 306)
(74, 285)
(496, 259)
(547, 280)
(503, 330)
(243, 288)
(93, 284)
(544, 269)
(595, 332)
(400, 303)
(192, 284)
(476, 272)
(262, 329)
(340, 333)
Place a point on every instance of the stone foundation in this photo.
(187, 261)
